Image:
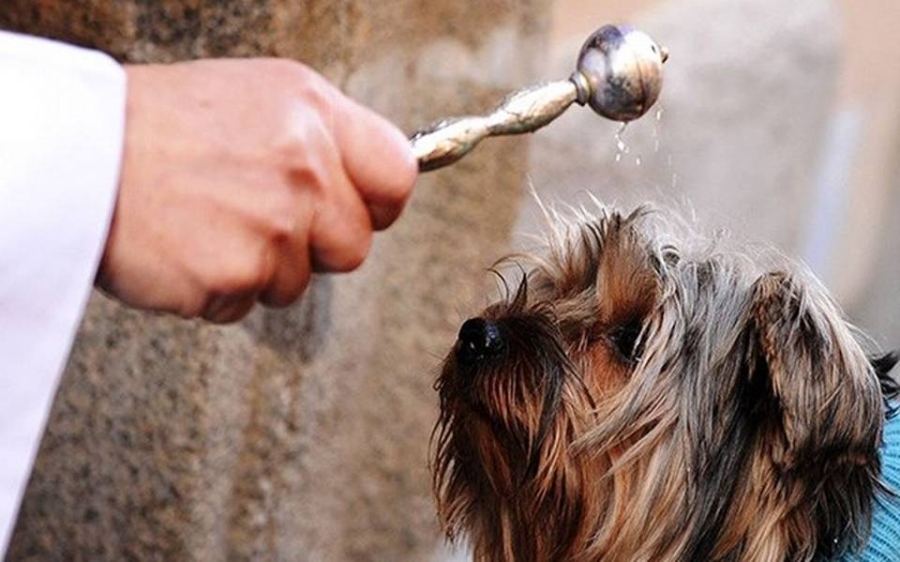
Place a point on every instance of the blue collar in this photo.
(884, 542)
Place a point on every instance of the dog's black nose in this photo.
(479, 339)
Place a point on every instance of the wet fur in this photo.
(659, 400)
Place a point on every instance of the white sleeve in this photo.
(62, 120)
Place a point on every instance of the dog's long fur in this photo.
(655, 401)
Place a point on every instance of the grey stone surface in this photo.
(298, 434)
(878, 308)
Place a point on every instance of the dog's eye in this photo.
(624, 339)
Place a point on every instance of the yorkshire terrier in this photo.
(639, 398)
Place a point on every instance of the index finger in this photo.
(377, 158)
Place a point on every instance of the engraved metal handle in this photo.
(523, 111)
(619, 75)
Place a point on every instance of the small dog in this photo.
(636, 399)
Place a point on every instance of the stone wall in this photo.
(299, 434)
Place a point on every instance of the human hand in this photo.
(239, 179)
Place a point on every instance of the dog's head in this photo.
(636, 399)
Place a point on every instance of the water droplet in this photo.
(621, 146)
(638, 160)
(674, 180)
(656, 128)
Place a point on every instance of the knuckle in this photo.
(246, 276)
(291, 150)
(281, 230)
(285, 69)
(306, 85)
(318, 94)
(282, 222)
(296, 155)
(311, 177)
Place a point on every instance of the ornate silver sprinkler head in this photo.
(619, 75)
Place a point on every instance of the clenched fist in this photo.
(239, 179)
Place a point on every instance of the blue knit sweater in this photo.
(884, 543)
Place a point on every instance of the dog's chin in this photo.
(492, 403)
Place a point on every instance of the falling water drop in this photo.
(659, 114)
(621, 146)
(638, 160)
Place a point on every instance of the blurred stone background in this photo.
(302, 434)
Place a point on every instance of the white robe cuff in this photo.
(62, 122)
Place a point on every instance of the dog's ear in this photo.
(821, 411)
(884, 364)
(890, 387)
(823, 387)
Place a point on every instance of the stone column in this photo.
(299, 434)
